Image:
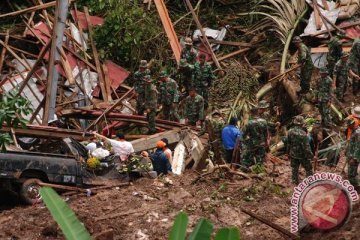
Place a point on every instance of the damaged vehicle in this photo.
(22, 172)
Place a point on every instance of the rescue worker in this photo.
(188, 52)
(203, 78)
(184, 76)
(150, 103)
(169, 97)
(298, 149)
(323, 97)
(335, 52)
(263, 107)
(353, 154)
(230, 135)
(341, 74)
(194, 108)
(304, 59)
(139, 86)
(354, 64)
(160, 162)
(355, 114)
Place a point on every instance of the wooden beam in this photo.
(347, 25)
(66, 66)
(326, 49)
(109, 109)
(149, 142)
(37, 62)
(107, 82)
(30, 9)
(236, 44)
(326, 6)
(48, 132)
(317, 15)
(3, 51)
(207, 44)
(96, 56)
(270, 224)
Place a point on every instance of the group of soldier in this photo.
(193, 77)
(334, 77)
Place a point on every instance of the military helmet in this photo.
(356, 111)
(324, 70)
(163, 74)
(299, 120)
(263, 104)
(188, 41)
(143, 64)
(296, 39)
(183, 62)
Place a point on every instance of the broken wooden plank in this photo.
(326, 49)
(233, 54)
(96, 56)
(270, 224)
(347, 25)
(207, 44)
(316, 15)
(107, 82)
(236, 44)
(169, 28)
(3, 51)
(47, 132)
(149, 142)
(30, 9)
(325, 4)
(66, 66)
(109, 109)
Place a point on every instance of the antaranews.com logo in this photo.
(323, 201)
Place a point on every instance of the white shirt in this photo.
(91, 147)
(168, 153)
(122, 148)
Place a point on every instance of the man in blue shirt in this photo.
(229, 135)
(161, 163)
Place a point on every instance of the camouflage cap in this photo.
(143, 64)
(188, 41)
(296, 39)
(299, 120)
(163, 74)
(263, 104)
(323, 70)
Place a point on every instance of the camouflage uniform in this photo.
(299, 151)
(139, 86)
(354, 63)
(169, 97)
(304, 58)
(214, 126)
(335, 52)
(323, 94)
(255, 140)
(203, 78)
(194, 109)
(341, 72)
(189, 54)
(151, 105)
(184, 76)
(353, 156)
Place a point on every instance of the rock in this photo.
(179, 196)
(50, 231)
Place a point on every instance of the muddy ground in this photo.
(148, 208)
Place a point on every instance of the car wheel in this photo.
(30, 191)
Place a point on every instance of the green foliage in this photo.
(202, 230)
(228, 234)
(132, 163)
(178, 231)
(12, 110)
(63, 215)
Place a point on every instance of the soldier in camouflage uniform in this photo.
(203, 78)
(184, 76)
(139, 86)
(263, 107)
(304, 58)
(213, 126)
(150, 104)
(188, 52)
(323, 97)
(341, 73)
(169, 97)
(255, 138)
(353, 153)
(194, 108)
(354, 64)
(335, 52)
(298, 149)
